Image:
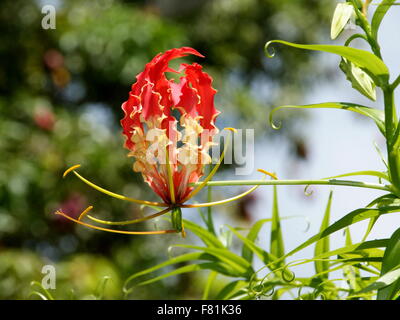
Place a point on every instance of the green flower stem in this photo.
(391, 139)
(364, 24)
(332, 182)
(390, 112)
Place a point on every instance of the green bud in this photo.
(341, 16)
(359, 79)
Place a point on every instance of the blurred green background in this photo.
(60, 97)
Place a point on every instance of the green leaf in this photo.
(384, 283)
(262, 254)
(354, 248)
(341, 16)
(379, 14)
(211, 278)
(214, 265)
(349, 242)
(371, 224)
(386, 200)
(179, 259)
(232, 289)
(361, 58)
(343, 264)
(391, 260)
(276, 242)
(253, 248)
(247, 251)
(322, 245)
(206, 236)
(237, 263)
(101, 288)
(46, 295)
(349, 219)
(352, 275)
(375, 114)
(359, 79)
(392, 253)
(371, 255)
(39, 294)
(186, 269)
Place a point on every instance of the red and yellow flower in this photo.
(151, 125)
(169, 128)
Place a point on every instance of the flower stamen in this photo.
(239, 196)
(85, 212)
(272, 175)
(127, 222)
(113, 194)
(59, 212)
(70, 169)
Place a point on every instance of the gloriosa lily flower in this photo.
(149, 113)
(169, 129)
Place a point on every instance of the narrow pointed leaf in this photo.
(247, 252)
(372, 255)
(386, 200)
(349, 219)
(236, 262)
(322, 245)
(179, 259)
(354, 248)
(276, 241)
(379, 14)
(190, 268)
(349, 242)
(385, 282)
(371, 224)
(253, 248)
(363, 59)
(374, 114)
(206, 236)
(211, 278)
(231, 289)
(263, 255)
(391, 260)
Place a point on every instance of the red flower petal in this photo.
(131, 109)
(153, 75)
(201, 82)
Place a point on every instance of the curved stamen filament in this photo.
(212, 173)
(215, 203)
(85, 212)
(124, 223)
(71, 169)
(272, 175)
(239, 196)
(59, 212)
(110, 193)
